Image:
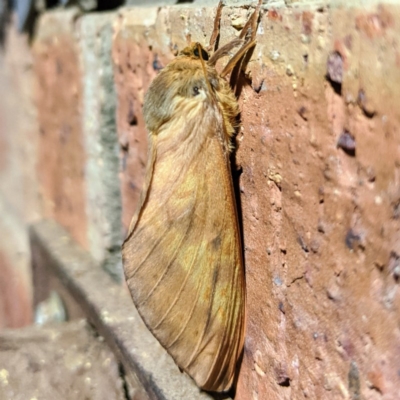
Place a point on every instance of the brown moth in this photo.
(182, 257)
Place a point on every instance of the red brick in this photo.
(61, 154)
(15, 303)
(18, 186)
(134, 72)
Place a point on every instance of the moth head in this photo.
(195, 51)
(184, 86)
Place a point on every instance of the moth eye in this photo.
(196, 91)
(204, 54)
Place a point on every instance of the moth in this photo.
(182, 256)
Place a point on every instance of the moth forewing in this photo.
(183, 265)
(182, 257)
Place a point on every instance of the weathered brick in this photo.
(18, 185)
(100, 141)
(15, 294)
(78, 165)
(133, 59)
(61, 166)
(15, 274)
(18, 127)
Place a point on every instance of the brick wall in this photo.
(318, 161)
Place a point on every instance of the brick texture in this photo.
(62, 158)
(78, 151)
(18, 184)
(103, 199)
(15, 304)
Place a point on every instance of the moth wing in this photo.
(183, 260)
(145, 188)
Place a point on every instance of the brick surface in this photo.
(134, 70)
(15, 301)
(61, 154)
(18, 126)
(318, 171)
(18, 185)
(103, 199)
(320, 225)
(78, 150)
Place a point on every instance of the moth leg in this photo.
(215, 33)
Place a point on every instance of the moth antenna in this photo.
(235, 59)
(203, 66)
(215, 32)
(224, 51)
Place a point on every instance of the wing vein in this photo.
(156, 243)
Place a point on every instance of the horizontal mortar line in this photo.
(110, 308)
